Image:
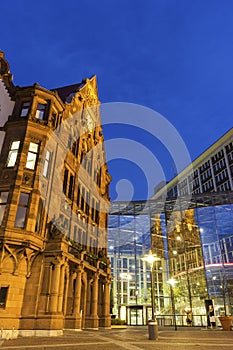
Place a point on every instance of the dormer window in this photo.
(40, 111)
(25, 109)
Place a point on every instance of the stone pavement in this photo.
(132, 338)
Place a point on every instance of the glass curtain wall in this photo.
(195, 247)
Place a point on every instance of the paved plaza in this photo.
(131, 338)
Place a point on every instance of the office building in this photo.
(212, 171)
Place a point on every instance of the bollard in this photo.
(153, 330)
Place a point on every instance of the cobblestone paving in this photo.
(127, 339)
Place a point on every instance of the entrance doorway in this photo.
(135, 315)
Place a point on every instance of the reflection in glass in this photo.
(22, 210)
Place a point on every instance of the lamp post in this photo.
(172, 282)
(152, 325)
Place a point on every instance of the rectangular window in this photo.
(12, 156)
(93, 209)
(39, 216)
(79, 236)
(87, 202)
(40, 111)
(96, 218)
(125, 263)
(71, 185)
(3, 201)
(3, 296)
(32, 156)
(65, 181)
(25, 109)
(75, 233)
(78, 196)
(83, 199)
(22, 210)
(46, 164)
(74, 148)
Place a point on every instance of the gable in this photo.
(6, 108)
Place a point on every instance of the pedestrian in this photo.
(189, 318)
(212, 316)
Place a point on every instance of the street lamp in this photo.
(172, 283)
(152, 325)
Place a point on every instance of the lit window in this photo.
(32, 156)
(46, 163)
(40, 111)
(12, 156)
(22, 210)
(3, 296)
(25, 109)
(3, 201)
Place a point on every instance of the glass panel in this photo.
(24, 112)
(46, 164)
(25, 109)
(12, 158)
(2, 210)
(47, 156)
(23, 200)
(15, 145)
(3, 197)
(3, 296)
(33, 147)
(40, 111)
(31, 161)
(20, 217)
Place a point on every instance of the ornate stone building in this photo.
(54, 181)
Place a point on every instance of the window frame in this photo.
(23, 208)
(41, 111)
(34, 158)
(25, 107)
(11, 152)
(3, 206)
(47, 162)
(3, 298)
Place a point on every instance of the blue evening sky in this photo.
(173, 56)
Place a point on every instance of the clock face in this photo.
(90, 123)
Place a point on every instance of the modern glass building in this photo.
(193, 239)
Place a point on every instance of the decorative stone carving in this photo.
(91, 95)
(28, 179)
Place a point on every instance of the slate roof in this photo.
(65, 91)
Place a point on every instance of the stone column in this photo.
(88, 297)
(84, 303)
(77, 292)
(66, 290)
(54, 288)
(61, 289)
(106, 306)
(94, 301)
